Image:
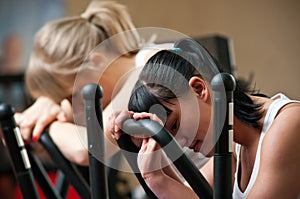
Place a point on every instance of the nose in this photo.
(182, 141)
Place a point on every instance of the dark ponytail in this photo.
(166, 74)
(244, 108)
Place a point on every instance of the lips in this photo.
(195, 145)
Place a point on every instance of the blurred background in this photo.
(265, 34)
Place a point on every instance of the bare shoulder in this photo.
(286, 126)
(280, 157)
(284, 134)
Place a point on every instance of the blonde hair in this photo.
(61, 46)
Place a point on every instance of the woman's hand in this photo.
(115, 121)
(151, 156)
(145, 115)
(38, 116)
(158, 175)
(150, 160)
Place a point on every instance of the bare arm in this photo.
(155, 170)
(71, 139)
(161, 183)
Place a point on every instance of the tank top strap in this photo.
(280, 100)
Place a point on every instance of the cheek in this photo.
(182, 141)
(188, 126)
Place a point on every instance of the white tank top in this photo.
(280, 101)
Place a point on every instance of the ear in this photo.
(96, 58)
(200, 88)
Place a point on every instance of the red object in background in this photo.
(72, 194)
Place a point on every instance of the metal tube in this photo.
(223, 85)
(92, 95)
(17, 152)
(42, 177)
(130, 152)
(71, 173)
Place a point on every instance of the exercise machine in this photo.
(223, 85)
(27, 167)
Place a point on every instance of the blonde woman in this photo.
(60, 48)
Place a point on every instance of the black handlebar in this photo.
(173, 150)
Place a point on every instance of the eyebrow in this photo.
(169, 111)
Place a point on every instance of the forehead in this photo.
(183, 106)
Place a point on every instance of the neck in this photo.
(244, 134)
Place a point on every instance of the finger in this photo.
(112, 125)
(61, 116)
(116, 132)
(18, 118)
(121, 117)
(157, 119)
(66, 109)
(38, 129)
(25, 133)
(142, 115)
(42, 123)
(26, 127)
(148, 159)
(152, 145)
(119, 120)
(53, 111)
(144, 145)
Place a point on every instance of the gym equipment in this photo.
(171, 147)
(27, 167)
(223, 86)
(94, 123)
(71, 174)
(18, 153)
(22, 157)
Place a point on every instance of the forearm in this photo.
(170, 171)
(165, 187)
(71, 139)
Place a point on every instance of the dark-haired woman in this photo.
(266, 158)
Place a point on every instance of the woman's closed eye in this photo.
(174, 126)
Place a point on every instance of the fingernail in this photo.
(34, 138)
(116, 128)
(117, 136)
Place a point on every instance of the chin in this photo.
(208, 154)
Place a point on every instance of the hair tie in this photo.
(176, 49)
(85, 16)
